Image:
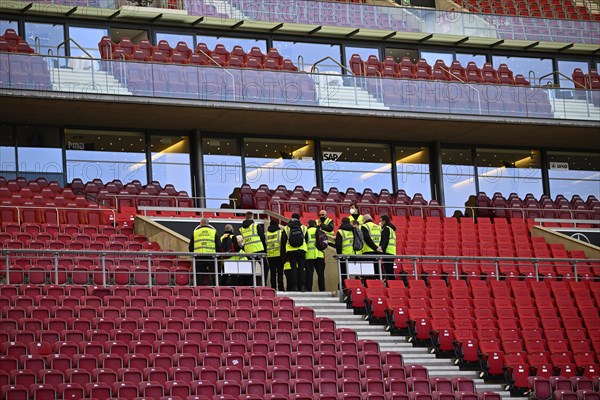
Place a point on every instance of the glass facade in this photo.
(412, 164)
(8, 156)
(574, 173)
(509, 171)
(229, 42)
(567, 68)
(6, 24)
(106, 155)
(458, 177)
(280, 162)
(222, 169)
(529, 67)
(174, 38)
(304, 55)
(356, 165)
(465, 58)
(88, 39)
(431, 57)
(363, 52)
(46, 37)
(171, 161)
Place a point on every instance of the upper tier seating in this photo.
(17, 69)
(121, 341)
(562, 9)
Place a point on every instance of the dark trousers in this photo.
(297, 261)
(290, 279)
(276, 271)
(388, 267)
(317, 264)
(204, 265)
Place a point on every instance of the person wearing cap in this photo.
(204, 240)
(315, 260)
(275, 263)
(326, 225)
(295, 255)
(388, 245)
(372, 236)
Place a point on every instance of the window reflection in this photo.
(309, 54)
(88, 39)
(529, 67)
(49, 36)
(432, 57)
(574, 173)
(280, 162)
(363, 52)
(466, 58)
(105, 155)
(222, 169)
(356, 165)
(458, 175)
(174, 38)
(39, 152)
(412, 164)
(171, 161)
(6, 24)
(567, 68)
(509, 171)
(230, 42)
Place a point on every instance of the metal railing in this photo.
(58, 210)
(91, 59)
(176, 198)
(105, 257)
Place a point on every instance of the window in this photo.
(432, 57)
(458, 176)
(6, 24)
(280, 162)
(363, 52)
(310, 53)
(574, 173)
(526, 66)
(567, 68)
(465, 58)
(39, 152)
(230, 42)
(171, 161)
(174, 38)
(412, 164)
(356, 165)
(49, 36)
(106, 155)
(222, 169)
(8, 160)
(87, 38)
(509, 171)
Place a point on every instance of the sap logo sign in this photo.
(559, 166)
(331, 155)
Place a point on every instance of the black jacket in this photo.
(338, 238)
(260, 230)
(229, 244)
(370, 246)
(385, 235)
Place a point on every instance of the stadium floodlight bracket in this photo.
(426, 38)
(391, 35)
(71, 11)
(461, 41)
(237, 24)
(531, 46)
(567, 47)
(354, 32)
(277, 27)
(153, 20)
(317, 29)
(196, 22)
(498, 43)
(113, 15)
(27, 7)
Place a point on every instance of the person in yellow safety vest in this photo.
(388, 244)
(295, 254)
(254, 242)
(274, 255)
(229, 244)
(204, 240)
(355, 213)
(326, 225)
(344, 244)
(314, 260)
(372, 237)
(287, 270)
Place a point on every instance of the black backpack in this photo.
(359, 239)
(321, 241)
(296, 238)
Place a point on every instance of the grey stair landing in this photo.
(328, 305)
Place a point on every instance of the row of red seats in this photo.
(440, 71)
(586, 81)
(561, 388)
(532, 8)
(10, 42)
(182, 54)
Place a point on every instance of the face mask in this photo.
(353, 211)
(322, 219)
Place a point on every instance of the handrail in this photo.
(563, 75)
(466, 83)
(70, 39)
(117, 196)
(334, 61)
(223, 68)
(58, 209)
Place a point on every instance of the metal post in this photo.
(575, 271)
(103, 262)
(7, 269)
(341, 294)
(380, 268)
(415, 268)
(497, 269)
(56, 268)
(456, 267)
(194, 271)
(149, 271)
(537, 272)
(216, 270)
(253, 260)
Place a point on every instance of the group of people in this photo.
(295, 250)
